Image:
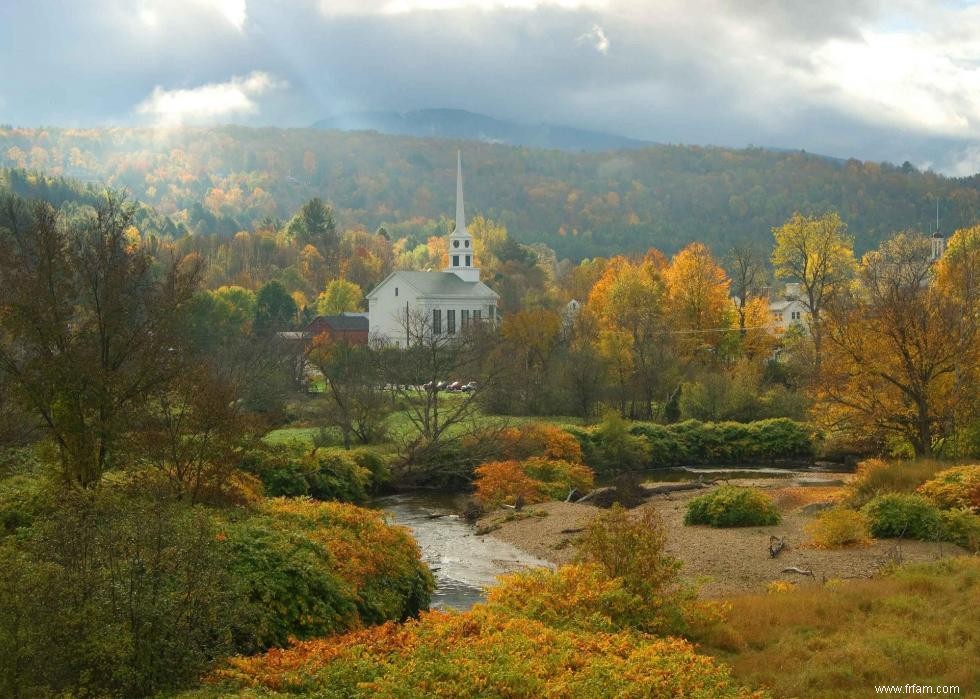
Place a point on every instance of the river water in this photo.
(463, 563)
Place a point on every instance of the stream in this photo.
(465, 564)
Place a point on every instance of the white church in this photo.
(434, 303)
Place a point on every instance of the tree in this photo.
(816, 252)
(275, 309)
(697, 294)
(437, 424)
(748, 272)
(354, 391)
(339, 296)
(899, 348)
(627, 304)
(88, 326)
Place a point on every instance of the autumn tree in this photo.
(338, 297)
(898, 348)
(816, 252)
(748, 272)
(356, 403)
(88, 326)
(628, 304)
(697, 294)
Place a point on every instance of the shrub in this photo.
(530, 481)
(538, 440)
(484, 653)
(324, 474)
(615, 449)
(876, 477)
(962, 527)
(22, 500)
(839, 527)
(380, 561)
(954, 488)
(900, 515)
(732, 506)
(114, 596)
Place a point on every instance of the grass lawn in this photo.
(918, 625)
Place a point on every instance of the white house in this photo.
(445, 303)
(788, 310)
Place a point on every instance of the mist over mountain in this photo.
(470, 126)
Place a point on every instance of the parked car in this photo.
(468, 388)
(455, 386)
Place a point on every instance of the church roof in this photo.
(438, 284)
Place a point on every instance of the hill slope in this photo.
(221, 180)
(469, 126)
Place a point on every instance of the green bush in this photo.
(22, 500)
(324, 474)
(732, 506)
(962, 527)
(693, 442)
(899, 515)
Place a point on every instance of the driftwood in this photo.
(776, 545)
(794, 569)
(436, 515)
(676, 487)
(591, 494)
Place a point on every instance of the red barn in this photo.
(346, 327)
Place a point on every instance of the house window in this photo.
(795, 315)
(436, 321)
(464, 319)
(476, 316)
(455, 260)
(467, 260)
(451, 322)
(396, 291)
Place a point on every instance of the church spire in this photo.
(462, 256)
(460, 215)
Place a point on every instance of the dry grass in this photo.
(917, 625)
(876, 477)
(790, 498)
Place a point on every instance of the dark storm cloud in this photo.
(770, 72)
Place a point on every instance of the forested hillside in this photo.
(222, 180)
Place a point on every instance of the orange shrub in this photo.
(484, 653)
(537, 439)
(954, 488)
(533, 480)
(797, 496)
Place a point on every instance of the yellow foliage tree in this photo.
(697, 294)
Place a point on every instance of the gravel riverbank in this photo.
(727, 561)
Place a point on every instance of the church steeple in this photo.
(461, 257)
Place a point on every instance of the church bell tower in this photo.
(462, 260)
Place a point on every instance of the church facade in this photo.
(409, 305)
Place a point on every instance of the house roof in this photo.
(438, 284)
(343, 322)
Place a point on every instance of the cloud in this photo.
(153, 12)
(209, 102)
(597, 36)
(392, 7)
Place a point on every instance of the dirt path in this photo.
(729, 561)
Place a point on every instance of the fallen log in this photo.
(676, 487)
(800, 571)
(574, 530)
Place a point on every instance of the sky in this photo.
(870, 79)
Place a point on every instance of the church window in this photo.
(450, 322)
(467, 243)
(455, 260)
(464, 318)
(467, 260)
(396, 291)
(490, 312)
(436, 321)
(455, 243)
(476, 316)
